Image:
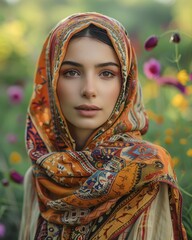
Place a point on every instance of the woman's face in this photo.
(89, 84)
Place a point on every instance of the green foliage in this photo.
(24, 26)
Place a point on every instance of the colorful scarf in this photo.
(100, 191)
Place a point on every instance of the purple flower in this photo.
(15, 94)
(152, 68)
(2, 230)
(151, 42)
(5, 182)
(11, 138)
(171, 82)
(16, 177)
(175, 38)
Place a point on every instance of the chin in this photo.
(89, 126)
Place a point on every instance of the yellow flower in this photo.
(168, 140)
(189, 90)
(183, 141)
(5, 48)
(14, 32)
(15, 157)
(175, 161)
(189, 152)
(183, 77)
(169, 131)
(157, 118)
(179, 101)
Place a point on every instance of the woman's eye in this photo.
(107, 74)
(71, 73)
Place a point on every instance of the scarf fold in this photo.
(117, 174)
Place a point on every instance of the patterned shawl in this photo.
(100, 191)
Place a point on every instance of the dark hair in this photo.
(94, 32)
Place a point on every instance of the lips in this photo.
(87, 107)
(87, 111)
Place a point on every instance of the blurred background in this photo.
(165, 73)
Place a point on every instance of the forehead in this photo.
(87, 48)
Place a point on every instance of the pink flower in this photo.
(151, 42)
(152, 68)
(11, 138)
(170, 81)
(15, 94)
(2, 230)
(16, 177)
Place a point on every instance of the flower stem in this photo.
(177, 56)
(10, 192)
(167, 32)
(186, 34)
(188, 194)
(174, 31)
(2, 210)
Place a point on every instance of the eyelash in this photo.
(67, 73)
(72, 73)
(108, 72)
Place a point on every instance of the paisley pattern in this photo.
(100, 191)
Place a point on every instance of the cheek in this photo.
(64, 91)
(117, 91)
(114, 92)
(62, 94)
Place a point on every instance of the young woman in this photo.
(92, 174)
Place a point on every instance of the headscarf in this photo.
(116, 176)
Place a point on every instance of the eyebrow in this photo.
(97, 65)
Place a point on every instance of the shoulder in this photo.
(160, 149)
(161, 154)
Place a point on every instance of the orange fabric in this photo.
(98, 192)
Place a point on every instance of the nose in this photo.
(88, 87)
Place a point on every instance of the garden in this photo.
(162, 36)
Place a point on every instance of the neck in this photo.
(80, 139)
(80, 136)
